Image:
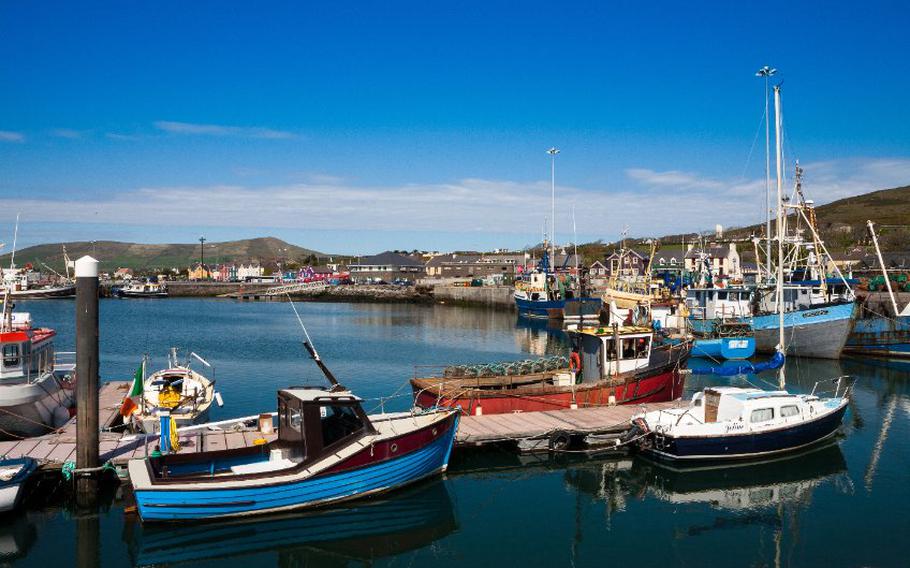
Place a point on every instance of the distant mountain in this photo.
(113, 254)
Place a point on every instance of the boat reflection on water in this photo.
(17, 536)
(787, 480)
(540, 337)
(405, 521)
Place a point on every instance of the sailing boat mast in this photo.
(552, 152)
(778, 135)
(12, 258)
(766, 72)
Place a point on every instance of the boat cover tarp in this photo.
(742, 367)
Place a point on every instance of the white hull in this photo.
(34, 409)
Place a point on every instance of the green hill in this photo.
(143, 257)
(842, 223)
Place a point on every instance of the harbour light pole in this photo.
(202, 256)
(552, 152)
(767, 72)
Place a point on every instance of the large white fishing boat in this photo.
(36, 391)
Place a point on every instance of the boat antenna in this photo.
(311, 349)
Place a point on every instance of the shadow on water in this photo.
(365, 531)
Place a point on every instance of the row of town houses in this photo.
(722, 261)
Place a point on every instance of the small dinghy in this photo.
(14, 472)
(184, 393)
(729, 423)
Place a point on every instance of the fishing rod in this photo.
(311, 349)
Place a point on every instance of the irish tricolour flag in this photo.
(131, 402)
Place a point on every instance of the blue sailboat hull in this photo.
(746, 446)
(205, 503)
(880, 336)
(724, 347)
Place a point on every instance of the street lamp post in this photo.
(552, 152)
(202, 257)
(767, 72)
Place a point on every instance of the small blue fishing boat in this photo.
(328, 451)
(14, 472)
(544, 294)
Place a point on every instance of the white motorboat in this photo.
(724, 423)
(36, 390)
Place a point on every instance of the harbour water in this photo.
(844, 504)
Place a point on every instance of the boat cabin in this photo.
(719, 303)
(313, 423)
(747, 406)
(806, 294)
(606, 352)
(25, 353)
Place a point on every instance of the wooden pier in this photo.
(553, 429)
(56, 448)
(530, 431)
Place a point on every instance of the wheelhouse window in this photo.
(11, 355)
(338, 422)
(762, 415)
(789, 410)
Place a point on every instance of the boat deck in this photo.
(54, 449)
(528, 429)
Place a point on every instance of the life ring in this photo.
(575, 362)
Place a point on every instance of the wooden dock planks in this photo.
(56, 448)
(491, 428)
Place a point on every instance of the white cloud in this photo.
(9, 136)
(649, 204)
(673, 178)
(221, 130)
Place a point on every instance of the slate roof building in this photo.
(386, 266)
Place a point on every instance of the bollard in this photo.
(86, 379)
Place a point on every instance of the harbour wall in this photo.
(499, 297)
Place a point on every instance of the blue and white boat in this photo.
(545, 294)
(14, 473)
(328, 451)
(730, 423)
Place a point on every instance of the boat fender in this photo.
(559, 441)
(575, 362)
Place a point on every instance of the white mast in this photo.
(780, 229)
(12, 258)
(552, 152)
(767, 72)
(881, 262)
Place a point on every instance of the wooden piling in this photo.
(87, 427)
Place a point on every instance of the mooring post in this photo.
(86, 379)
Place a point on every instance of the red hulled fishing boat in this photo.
(618, 365)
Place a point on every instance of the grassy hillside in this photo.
(113, 255)
(842, 223)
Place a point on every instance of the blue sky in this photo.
(356, 127)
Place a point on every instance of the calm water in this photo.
(846, 504)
